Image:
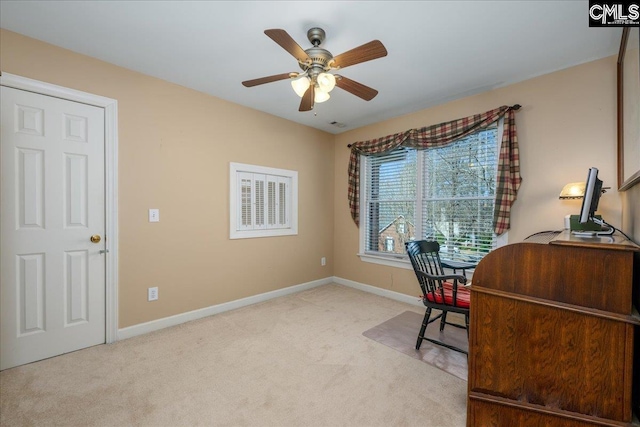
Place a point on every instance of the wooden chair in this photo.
(442, 292)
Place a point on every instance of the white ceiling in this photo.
(437, 50)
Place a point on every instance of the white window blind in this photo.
(391, 189)
(445, 194)
(262, 201)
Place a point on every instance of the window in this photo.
(389, 244)
(263, 201)
(446, 194)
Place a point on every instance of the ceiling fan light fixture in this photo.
(300, 85)
(316, 64)
(320, 96)
(326, 82)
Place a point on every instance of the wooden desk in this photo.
(552, 334)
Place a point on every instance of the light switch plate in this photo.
(154, 215)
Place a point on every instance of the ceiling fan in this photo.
(316, 80)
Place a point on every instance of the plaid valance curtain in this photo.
(443, 134)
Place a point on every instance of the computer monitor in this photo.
(592, 193)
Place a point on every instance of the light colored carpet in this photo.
(298, 360)
(401, 333)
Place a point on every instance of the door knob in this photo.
(95, 238)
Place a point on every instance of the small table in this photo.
(458, 265)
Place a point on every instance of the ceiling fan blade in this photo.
(307, 100)
(268, 79)
(368, 51)
(287, 43)
(358, 89)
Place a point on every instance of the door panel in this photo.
(52, 289)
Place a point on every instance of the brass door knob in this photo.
(95, 238)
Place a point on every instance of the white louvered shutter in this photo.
(245, 196)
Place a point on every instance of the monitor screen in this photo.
(592, 192)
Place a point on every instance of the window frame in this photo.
(269, 175)
(402, 260)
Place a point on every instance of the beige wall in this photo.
(567, 124)
(175, 145)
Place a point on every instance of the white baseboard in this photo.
(379, 291)
(166, 322)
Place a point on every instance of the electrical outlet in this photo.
(152, 294)
(323, 261)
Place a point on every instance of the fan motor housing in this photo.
(320, 58)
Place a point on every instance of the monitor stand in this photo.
(579, 233)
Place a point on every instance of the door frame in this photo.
(110, 107)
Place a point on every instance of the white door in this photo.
(52, 288)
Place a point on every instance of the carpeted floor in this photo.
(298, 360)
(401, 333)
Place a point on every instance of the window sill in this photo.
(400, 262)
(251, 234)
(389, 261)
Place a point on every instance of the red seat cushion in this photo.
(463, 296)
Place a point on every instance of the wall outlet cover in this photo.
(154, 215)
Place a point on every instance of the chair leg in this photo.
(443, 320)
(425, 322)
(466, 324)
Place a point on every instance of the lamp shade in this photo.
(300, 85)
(326, 82)
(321, 96)
(573, 190)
